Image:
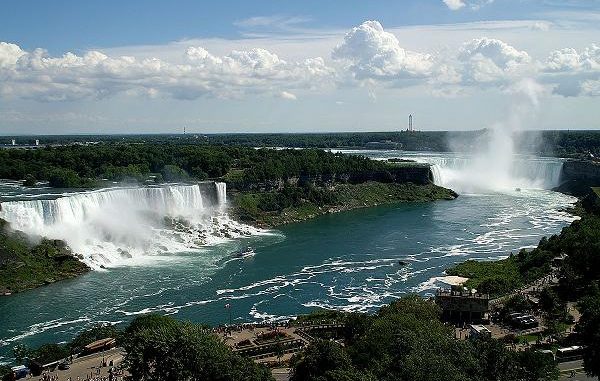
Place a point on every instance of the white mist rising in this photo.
(130, 225)
(493, 164)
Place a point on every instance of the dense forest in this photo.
(84, 165)
(552, 143)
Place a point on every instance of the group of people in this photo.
(250, 326)
(49, 377)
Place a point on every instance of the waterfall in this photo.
(112, 225)
(221, 193)
(464, 173)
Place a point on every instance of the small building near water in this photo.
(20, 371)
(99, 346)
(462, 305)
(479, 331)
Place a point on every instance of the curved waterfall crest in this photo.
(467, 174)
(111, 226)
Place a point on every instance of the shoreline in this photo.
(55, 254)
(378, 197)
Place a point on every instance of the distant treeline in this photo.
(554, 143)
(84, 165)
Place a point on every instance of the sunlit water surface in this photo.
(347, 261)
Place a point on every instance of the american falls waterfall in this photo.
(113, 226)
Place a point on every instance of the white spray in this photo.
(123, 225)
(494, 165)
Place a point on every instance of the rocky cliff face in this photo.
(578, 176)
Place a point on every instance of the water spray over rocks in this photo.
(114, 226)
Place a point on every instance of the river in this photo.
(347, 261)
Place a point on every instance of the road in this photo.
(577, 366)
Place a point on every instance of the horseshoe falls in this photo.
(466, 174)
(471, 173)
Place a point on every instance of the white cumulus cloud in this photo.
(37, 75)
(454, 4)
(486, 60)
(372, 53)
(574, 72)
(287, 95)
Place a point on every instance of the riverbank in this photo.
(267, 210)
(30, 262)
(501, 277)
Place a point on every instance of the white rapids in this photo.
(114, 226)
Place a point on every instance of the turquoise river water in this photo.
(346, 261)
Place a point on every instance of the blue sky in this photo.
(154, 66)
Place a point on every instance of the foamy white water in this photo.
(470, 173)
(116, 226)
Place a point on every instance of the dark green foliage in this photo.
(320, 360)
(80, 165)
(149, 322)
(534, 365)
(25, 265)
(406, 341)
(173, 173)
(164, 349)
(560, 143)
(29, 180)
(581, 238)
(581, 242)
(66, 178)
(494, 278)
(5, 371)
(48, 353)
(517, 303)
(296, 203)
(570, 143)
(589, 329)
(21, 353)
(44, 354)
(131, 172)
(552, 304)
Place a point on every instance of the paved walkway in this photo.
(86, 368)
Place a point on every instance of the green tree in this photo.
(163, 349)
(589, 330)
(48, 353)
(173, 173)
(537, 366)
(21, 353)
(29, 180)
(319, 359)
(5, 372)
(65, 178)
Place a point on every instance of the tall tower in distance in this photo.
(410, 125)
